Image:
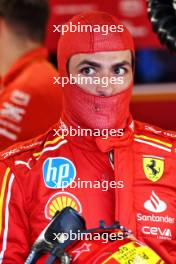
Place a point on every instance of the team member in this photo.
(29, 103)
(129, 177)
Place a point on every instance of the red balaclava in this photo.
(81, 108)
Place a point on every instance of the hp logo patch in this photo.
(58, 172)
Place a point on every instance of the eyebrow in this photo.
(98, 65)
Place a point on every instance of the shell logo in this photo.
(59, 201)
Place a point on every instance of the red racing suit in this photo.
(48, 173)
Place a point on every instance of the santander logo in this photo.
(155, 204)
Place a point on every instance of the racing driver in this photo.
(136, 160)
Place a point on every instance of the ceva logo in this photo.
(155, 205)
(157, 231)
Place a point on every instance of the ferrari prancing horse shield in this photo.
(153, 168)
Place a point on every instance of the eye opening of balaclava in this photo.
(83, 109)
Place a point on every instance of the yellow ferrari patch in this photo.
(153, 168)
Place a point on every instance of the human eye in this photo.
(87, 71)
(120, 70)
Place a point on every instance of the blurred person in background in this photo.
(29, 102)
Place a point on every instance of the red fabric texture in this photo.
(91, 111)
(90, 42)
(121, 148)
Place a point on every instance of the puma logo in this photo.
(21, 162)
